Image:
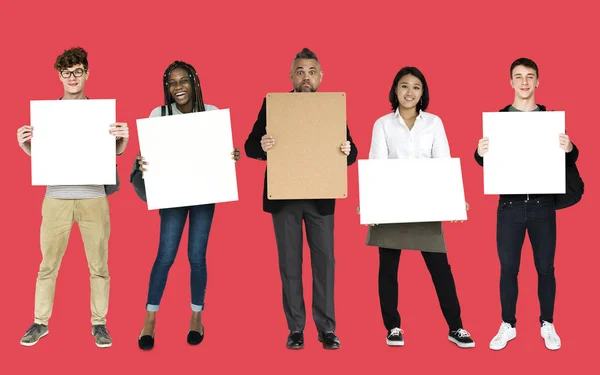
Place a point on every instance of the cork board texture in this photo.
(306, 161)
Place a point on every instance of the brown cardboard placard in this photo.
(306, 161)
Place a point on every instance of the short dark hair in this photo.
(524, 61)
(71, 57)
(306, 54)
(424, 102)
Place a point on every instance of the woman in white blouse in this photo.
(411, 133)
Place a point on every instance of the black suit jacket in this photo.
(254, 150)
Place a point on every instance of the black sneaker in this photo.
(394, 337)
(329, 340)
(461, 338)
(295, 340)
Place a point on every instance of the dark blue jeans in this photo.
(537, 217)
(172, 222)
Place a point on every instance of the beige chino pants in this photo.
(93, 218)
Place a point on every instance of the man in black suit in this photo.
(306, 76)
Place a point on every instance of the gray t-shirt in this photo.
(513, 109)
(75, 191)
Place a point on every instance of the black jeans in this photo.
(437, 264)
(538, 217)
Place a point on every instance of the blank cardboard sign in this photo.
(410, 191)
(71, 143)
(188, 170)
(524, 155)
(306, 161)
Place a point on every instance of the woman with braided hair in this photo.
(182, 95)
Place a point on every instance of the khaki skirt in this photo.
(428, 237)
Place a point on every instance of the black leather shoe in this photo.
(329, 340)
(146, 342)
(195, 337)
(295, 340)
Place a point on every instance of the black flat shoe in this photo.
(146, 342)
(195, 337)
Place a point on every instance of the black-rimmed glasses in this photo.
(67, 73)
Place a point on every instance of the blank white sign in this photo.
(524, 154)
(189, 159)
(410, 191)
(71, 143)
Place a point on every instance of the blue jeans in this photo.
(172, 222)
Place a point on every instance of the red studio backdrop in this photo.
(242, 51)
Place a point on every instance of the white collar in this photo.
(397, 114)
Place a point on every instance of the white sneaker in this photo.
(504, 335)
(550, 337)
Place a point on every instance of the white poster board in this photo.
(410, 190)
(524, 154)
(189, 159)
(71, 143)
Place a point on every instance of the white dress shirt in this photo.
(393, 140)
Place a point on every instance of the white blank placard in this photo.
(524, 155)
(71, 143)
(410, 191)
(189, 159)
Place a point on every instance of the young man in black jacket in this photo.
(534, 213)
(306, 76)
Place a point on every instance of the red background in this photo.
(242, 51)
